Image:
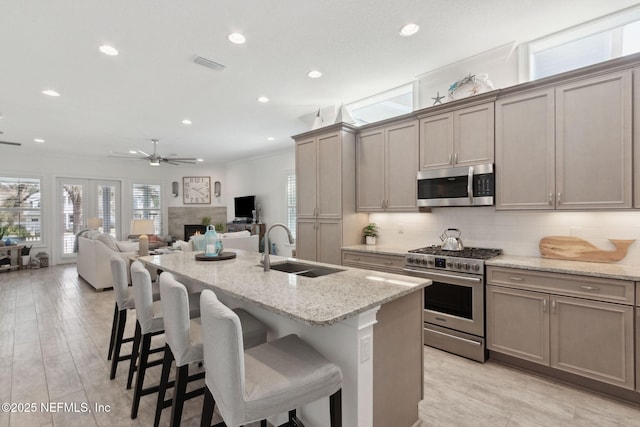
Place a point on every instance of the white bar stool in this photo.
(124, 302)
(184, 345)
(149, 322)
(263, 381)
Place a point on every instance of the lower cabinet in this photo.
(373, 261)
(319, 240)
(586, 337)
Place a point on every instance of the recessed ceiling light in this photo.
(409, 30)
(108, 50)
(236, 38)
(263, 99)
(314, 74)
(39, 140)
(186, 122)
(199, 160)
(50, 92)
(133, 152)
(271, 138)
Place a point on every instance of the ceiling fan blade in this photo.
(184, 159)
(144, 154)
(126, 156)
(170, 155)
(17, 144)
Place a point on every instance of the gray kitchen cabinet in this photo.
(636, 136)
(593, 142)
(387, 166)
(326, 193)
(373, 261)
(518, 323)
(462, 137)
(566, 322)
(525, 151)
(566, 147)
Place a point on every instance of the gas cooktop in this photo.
(472, 253)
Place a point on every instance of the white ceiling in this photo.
(119, 103)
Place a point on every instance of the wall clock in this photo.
(196, 190)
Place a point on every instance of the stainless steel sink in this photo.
(301, 269)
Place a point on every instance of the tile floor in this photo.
(54, 335)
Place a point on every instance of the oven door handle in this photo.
(444, 276)
(476, 343)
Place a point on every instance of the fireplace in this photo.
(191, 229)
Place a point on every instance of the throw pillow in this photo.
(127, 246)
(108, 240)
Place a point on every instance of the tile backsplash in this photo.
(516, 233)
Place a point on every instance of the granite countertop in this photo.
(594, 269)
(315, 301)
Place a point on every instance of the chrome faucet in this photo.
(265, 255)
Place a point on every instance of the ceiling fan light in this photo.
(155, 162)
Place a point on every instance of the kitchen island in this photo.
(368, 323)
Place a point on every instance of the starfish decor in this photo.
(438, 99)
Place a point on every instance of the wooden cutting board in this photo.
(576, 249)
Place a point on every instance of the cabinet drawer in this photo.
(392, 263)
(595, 288)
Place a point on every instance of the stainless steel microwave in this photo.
(459, 186)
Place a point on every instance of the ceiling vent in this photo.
(209, 63)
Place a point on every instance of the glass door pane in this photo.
(71, 220)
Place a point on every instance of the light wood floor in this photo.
(54, 335)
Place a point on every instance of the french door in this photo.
(79, 200)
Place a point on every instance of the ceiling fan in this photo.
(155, 159)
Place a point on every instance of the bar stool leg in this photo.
(182, 378)
(335, 408)
(135, 351)
(113, 331)
(121, 322)
(142, 367)
(164, 382)
(207, 409)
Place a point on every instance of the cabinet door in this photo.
(329, 176)
(593, 339)
(518, 323)
(329, 238)
(401, 169)
(436, 142)
(593, 142)
(525, 151)
(473, 135)
(370, 171)
(306, 178)
(636, 139)
(306, 239)
(637, 319)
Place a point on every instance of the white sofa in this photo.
(94, 251)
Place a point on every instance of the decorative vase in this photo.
(370, 240)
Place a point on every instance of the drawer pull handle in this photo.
(544, 305)
(516, 279)
(388, 262)
(553, 306)
(589, 288)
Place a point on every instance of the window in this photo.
(20, 209)
(291, 203)
(610, 37)
(147, 204)
(385, 105)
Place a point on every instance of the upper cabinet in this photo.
(593, 142)
(525, 150)
(462, 137)
(387, 166)
(566, 147)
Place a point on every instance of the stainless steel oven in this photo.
(454, 317)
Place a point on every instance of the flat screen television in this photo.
(243, 207)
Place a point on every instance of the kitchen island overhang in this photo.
(336, 314)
